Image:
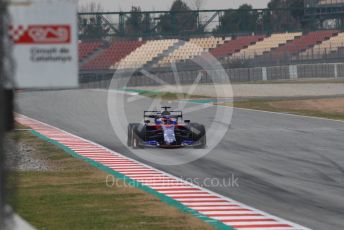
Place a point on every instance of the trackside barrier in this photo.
(289, 72)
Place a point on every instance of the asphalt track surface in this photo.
(288, 166)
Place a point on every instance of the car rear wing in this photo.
(157, 114)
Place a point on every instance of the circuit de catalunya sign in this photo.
(40, 34)
(43, 36)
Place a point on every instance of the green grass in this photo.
(74, 195)
(166, 96)
(266, 105)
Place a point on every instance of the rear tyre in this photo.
(130, 133)
(129, 139)
(137, 136)
(136, 142)
(131, 128)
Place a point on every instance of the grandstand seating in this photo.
(304, 42)
(144, 54)
(86, 48)
(266, 45)
(195, 47)
(326, 47)
(235, 45)
(117, 51)
(330, 2)
(136, 54)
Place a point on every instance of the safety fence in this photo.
(288, 72)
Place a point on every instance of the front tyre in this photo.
(202, 142)
(199, 135)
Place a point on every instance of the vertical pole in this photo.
(335, 70)
(264, 74)
(121, 24)
(2, 112)
(174, 22)
(6, 108)
(219, 25)
(199, 25)
(147, 24)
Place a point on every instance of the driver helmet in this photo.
(166, 120)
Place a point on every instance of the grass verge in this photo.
(74, 195)
(293, 107)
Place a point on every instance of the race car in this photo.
(166, 129)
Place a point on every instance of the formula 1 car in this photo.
(165, 130)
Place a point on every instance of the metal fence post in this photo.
(264, 74)
(293, 72)
(2, 112)
(335, 66)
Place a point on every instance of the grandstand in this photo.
(302, 35)
(330, 2)
(302, 43)
(324, 10)
(162, 52)
(266, 45)
(315, 3)
(112, 55)
(235, 45)
(144, 54)
(87, 48)
(191, 49)
(325, 47)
